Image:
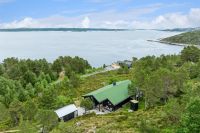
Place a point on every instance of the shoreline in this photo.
(171, 43)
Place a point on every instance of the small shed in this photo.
(134, 105)
(67, 113)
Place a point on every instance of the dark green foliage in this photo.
(23, 95)
(48, 78)
(190, 53)
(190, 121)
(11, 69)
(7, 91)
(47, 119)
(132, 90)
(23, 79)
(2, 69)
(30, 77)
(39, 87)
(112, 80)
(172, 111)
(142, 68)
(159, 75)
(36, 83)
(62, 101)
(167, 82)
(15, 110)
(134, 59)
(87, 104)
(47, 100)
(192, 69)
(69, 64)
(74, 80)
(29, 110)
(4, 84)
(185, 38)
(29, 88)
(123, 70)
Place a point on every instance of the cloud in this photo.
(173, 20)
(86, 22)
(49, 22)
(114, 19)
(26, 22)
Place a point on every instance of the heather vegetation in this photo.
(30, 90)
(170, 85)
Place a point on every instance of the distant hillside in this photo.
(180, 29)
(192, 37)
(59, 29)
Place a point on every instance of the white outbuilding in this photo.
(67, 113)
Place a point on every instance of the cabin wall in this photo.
(122, 103)
(134, 106)
(69, 116)
(108, 104)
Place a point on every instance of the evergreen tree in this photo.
(48, 98)
(47, 119)
(15, 110)
(190, 53)
(30, 110)
(87, 104)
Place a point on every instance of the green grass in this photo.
(120, 121)
(97, 81)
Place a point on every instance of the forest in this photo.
(191, 38)
(30, 90)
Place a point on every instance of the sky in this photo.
(125, 14)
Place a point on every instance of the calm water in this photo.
(98, 48)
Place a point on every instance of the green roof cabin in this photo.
(111, 97)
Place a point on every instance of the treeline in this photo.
(30, 85)
(172, 81)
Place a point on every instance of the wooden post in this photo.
(99, 107)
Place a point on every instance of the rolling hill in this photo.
(191, 38)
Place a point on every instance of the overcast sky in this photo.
(131, 14)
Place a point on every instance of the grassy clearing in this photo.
(97, 81)
(120, 121)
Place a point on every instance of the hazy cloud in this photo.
(86, 23)
(173, 20)
(114, 19)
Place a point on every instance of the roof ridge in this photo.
(115, 94)
(107, 87)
